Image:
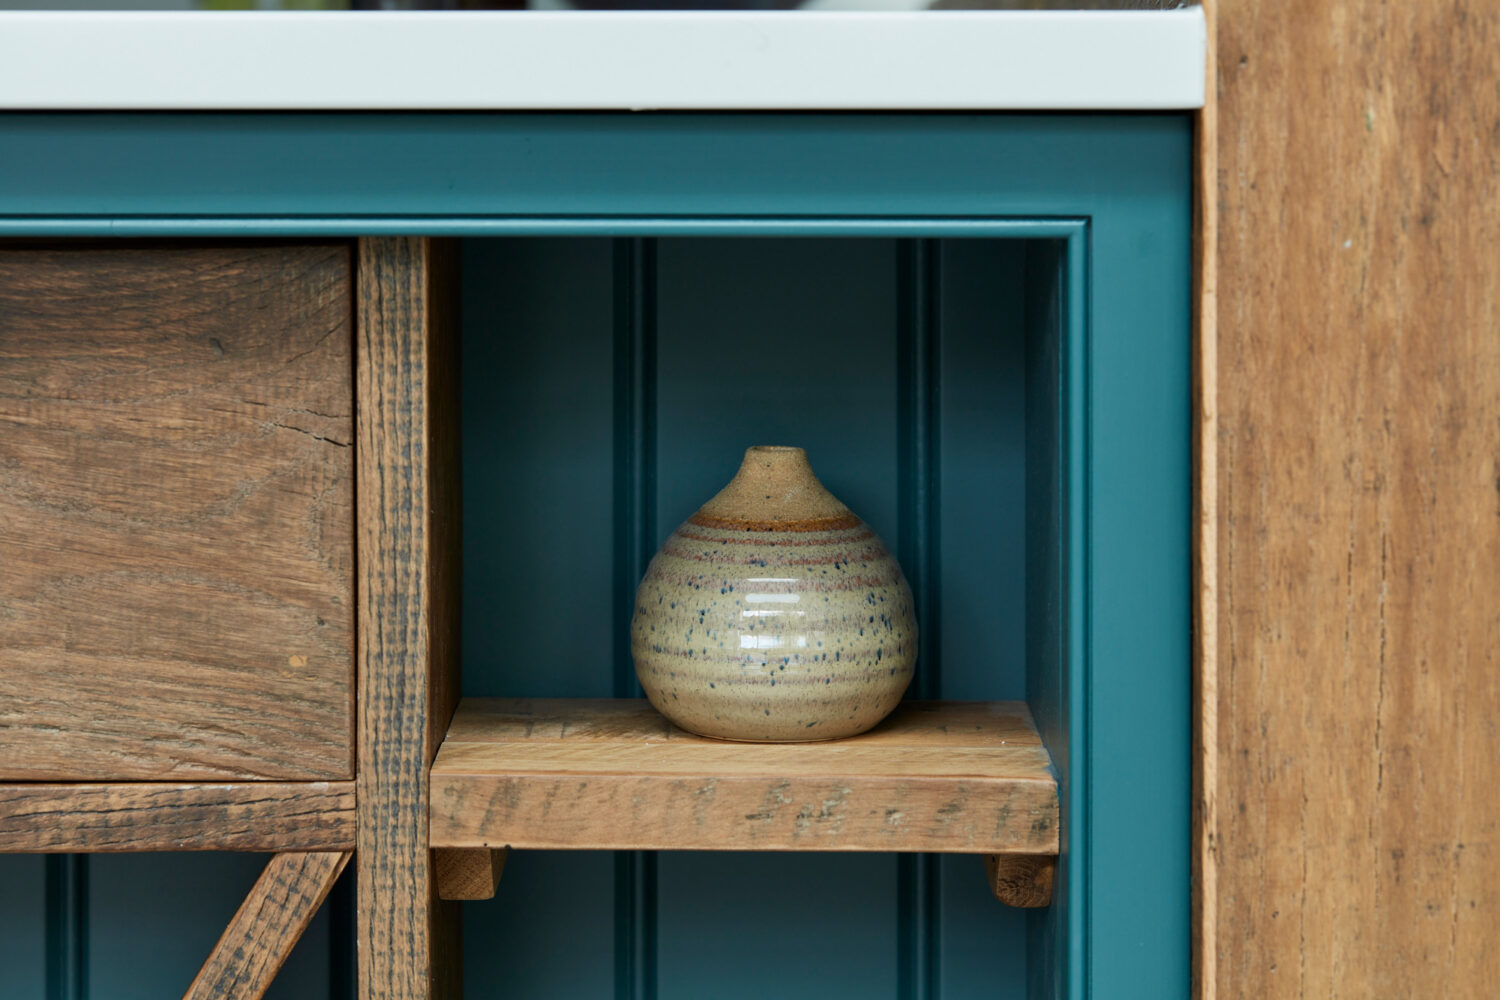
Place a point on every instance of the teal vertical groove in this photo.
(343, 970)
(1059, 516)
(919, 304)
(635, 539)
(1047, 677)
(1077, 501)
(67, 888)
(1058, 587)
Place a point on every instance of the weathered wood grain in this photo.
(1021, 880)
(267, 926)
(1356, 836)
(408, 631)
(152, 816)
(469, 872)
(955, 777)
(176, 513)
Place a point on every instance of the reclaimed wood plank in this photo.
(601, 774)
(267, 925)
(409, 521)
(177, 533)
(1354, 837)
(162, 816)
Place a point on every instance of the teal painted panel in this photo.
(982, 953)
(813, 365)
(110, 172)
(777, 342)
(981, 567)
(154, 918)
(982, 463)
(1053, 328)
(538, 502)
(537, 426)
(23, 943)
(1139, 616)
(548, 933)
(789, 926)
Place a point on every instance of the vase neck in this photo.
(774, 484)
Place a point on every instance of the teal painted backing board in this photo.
(776, 342)
(981, 416)
(137, 926)
(816, 363)
(538, 533)
(981, 580)
(189, 899)
(23, 927)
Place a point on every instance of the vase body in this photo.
(774, 614)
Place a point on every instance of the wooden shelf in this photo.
(955, 777)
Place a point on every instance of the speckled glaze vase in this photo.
(774, 614)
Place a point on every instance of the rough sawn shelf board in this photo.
(956, 777)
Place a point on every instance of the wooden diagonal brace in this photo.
(267, 925)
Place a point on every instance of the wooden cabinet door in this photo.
(176, 512)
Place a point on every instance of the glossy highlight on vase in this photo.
(774, 614)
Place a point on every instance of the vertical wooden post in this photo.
(409, 523)
(1351, 835)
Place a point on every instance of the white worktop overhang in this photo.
(520, 60)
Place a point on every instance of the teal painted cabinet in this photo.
(978, 326)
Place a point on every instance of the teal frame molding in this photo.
(1111, 194)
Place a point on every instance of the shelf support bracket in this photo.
(468, 872)
(1021, 880)
(266, 926)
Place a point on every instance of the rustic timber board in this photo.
(1349, 659)
(959, 777)
(162, 816)
(176, 512)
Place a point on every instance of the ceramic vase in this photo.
(774, 614)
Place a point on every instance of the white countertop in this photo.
(508, 60)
